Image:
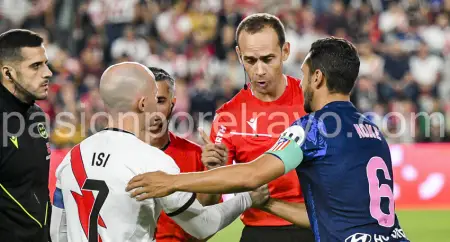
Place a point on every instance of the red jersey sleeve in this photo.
(220, 134)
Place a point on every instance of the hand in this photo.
(213, 155)
(260, 196)
(151, 185)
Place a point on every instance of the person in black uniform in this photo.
(25, 151)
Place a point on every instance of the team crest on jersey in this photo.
(42, 131)
(281, 144)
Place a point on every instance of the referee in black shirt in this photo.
(24, 151)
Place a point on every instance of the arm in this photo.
(202, 222)
(233, 178)
(283, 157)
(58, 225)
(292, 212)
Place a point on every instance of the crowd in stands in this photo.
(404, 48)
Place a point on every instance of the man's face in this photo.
(262, 58)
(308, 93)
(33, 73)
(151, 100)
(164, 99)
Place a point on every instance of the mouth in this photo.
(261, 84)
(45, 84)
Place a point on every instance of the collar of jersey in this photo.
(13, 102)
(339, 104)
(119, 130)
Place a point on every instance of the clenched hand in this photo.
(213, 155)
(260, 196)
(151, 185)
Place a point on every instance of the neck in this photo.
(17, 92)
(335, 97)
(275, 94)
(126, 124)
(160, 141)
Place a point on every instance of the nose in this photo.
(260, 70)
(47, 73)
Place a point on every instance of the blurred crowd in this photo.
(404, 47)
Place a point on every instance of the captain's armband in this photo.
(288, 147)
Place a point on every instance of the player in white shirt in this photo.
(90, 202)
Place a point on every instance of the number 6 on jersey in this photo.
(376, 192)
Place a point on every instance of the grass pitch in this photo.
(419, 226)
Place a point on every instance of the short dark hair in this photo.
(162, 75)
(12, 41)
(338, 60)
(257, 22)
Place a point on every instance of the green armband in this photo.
(287, 148)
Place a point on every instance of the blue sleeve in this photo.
(58, 199)
(314, 146)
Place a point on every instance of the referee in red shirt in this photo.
(250, 123)
(186, 154)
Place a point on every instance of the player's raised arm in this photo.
(283, 157)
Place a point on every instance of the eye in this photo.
(250, 61)
(267, 59)
(161, 100)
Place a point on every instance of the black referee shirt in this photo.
(24, 170)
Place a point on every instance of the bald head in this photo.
(121, 85)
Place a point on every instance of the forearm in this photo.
(233, 178)
(58, 226)
(292, 212)
(222, 180)
(202, 222)
(208, 199)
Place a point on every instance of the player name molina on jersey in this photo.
(256, 123)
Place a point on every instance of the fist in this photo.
(260, 196)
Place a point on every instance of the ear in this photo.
(174, 101)
(8, 72)
(318, 79)
(141, 104)
(286, 51)
(238, 52)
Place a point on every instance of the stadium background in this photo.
(405, 68)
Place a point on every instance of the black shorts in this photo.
(276, 234)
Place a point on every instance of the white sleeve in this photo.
(58, 226)
(202, 222)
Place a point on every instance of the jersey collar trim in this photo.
(119, 130)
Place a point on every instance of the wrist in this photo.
(176, 184)
(268, 205)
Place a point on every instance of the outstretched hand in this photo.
(151, 185)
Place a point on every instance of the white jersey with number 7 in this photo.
(91, 204)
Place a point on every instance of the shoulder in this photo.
(295, 83)
(310, 123)
(184, 144)
(155, 159)
(235, 103)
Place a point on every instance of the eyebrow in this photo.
(261, 57)
(39, 62)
